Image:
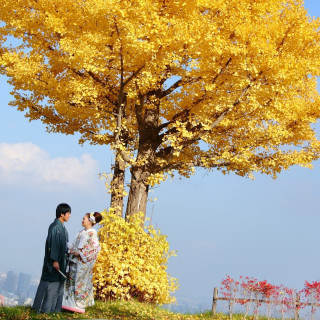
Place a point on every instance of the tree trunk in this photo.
(117, 186)
(138, 194)
(148, 118)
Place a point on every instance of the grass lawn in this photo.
(112, 310)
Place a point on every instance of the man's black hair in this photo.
(62, 208)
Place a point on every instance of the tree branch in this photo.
(227, 111)
(176, 85)
(133, 75)
(183, 113)
(168, 150)
(285, 37)
(57, 119)
(195, 163)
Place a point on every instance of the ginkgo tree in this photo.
(169, 85)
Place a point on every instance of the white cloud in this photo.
(26, 163)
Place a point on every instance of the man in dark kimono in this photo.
(50, 291)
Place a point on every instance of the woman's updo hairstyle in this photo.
(94, 217)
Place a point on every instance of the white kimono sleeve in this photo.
(89, 246)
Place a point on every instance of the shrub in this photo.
(132, 263)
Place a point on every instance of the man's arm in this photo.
(54, 240)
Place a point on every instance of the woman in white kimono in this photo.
(78, 291)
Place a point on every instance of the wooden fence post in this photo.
(297, 307)
(214, 302)
(230, 309)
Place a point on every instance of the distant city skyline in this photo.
(17, 288)
(11, 283)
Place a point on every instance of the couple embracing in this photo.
(66, 280)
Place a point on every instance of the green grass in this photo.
(112, 310)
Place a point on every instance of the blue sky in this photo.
(219, 224)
